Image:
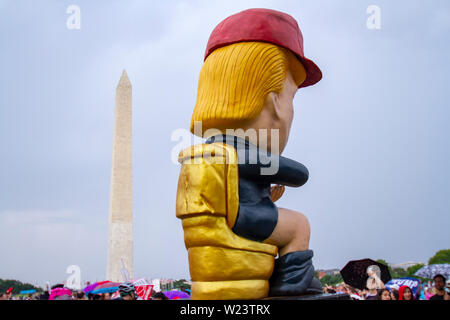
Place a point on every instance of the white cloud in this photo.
(39, 244)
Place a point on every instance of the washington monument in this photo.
(120, 237)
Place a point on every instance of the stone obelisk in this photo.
(120, 237)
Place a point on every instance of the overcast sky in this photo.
(374, 132)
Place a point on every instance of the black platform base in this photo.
(337, 296)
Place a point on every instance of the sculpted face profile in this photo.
(254, 66)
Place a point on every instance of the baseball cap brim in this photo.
(313, 73)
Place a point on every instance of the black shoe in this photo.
(294, 275)
(315, 287)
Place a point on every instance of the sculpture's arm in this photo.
(290, 173)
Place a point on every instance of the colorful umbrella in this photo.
(175, 294)
(428, 272)
(355, 272)
(93, 286)
(27, 291)
(107, 285)
(105, 290)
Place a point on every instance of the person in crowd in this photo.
(328, 289)
(428, 293)
(363, 294)
(355, 294)
(350, 289)
(78, 295)
(127, 291)
(8, 293)
(373, 282)
(439, 286)
(341, 289)
(159, 296)
(384, 294)
(64, 297)
(394, 294)
(45, 295)
(105, 296)
(421, 293)
(371, 293)
(405, 293)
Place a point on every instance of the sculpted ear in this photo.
(274, 104)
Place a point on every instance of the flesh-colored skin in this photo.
(386, 295)
(292, 232)
(407, 294)
(129, 297)
(277, 113)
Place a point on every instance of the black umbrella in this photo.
(355, 272)
(59, 285)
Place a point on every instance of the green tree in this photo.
(442, 256)
(17, 285)
(181, 284)
(413, 269)
(331, 280)
(398, 273)
(389, 267)
(383, 262)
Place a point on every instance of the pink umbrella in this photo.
(59, 292)
(175, 294)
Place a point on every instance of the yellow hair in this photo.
(235, 80)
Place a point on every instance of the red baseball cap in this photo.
(264, 25)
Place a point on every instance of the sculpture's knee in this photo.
(303, 232)
(292, 232)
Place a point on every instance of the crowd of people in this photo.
(376, 290)
(126, 291)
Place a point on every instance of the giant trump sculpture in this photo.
(240, 244)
